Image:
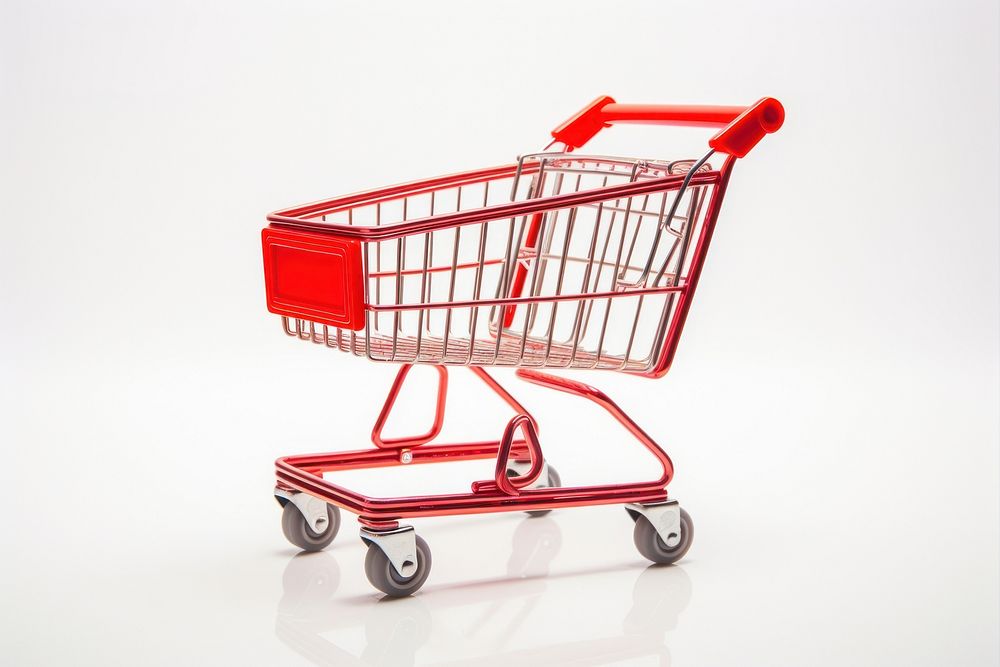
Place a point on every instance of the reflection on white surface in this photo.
(316, 625)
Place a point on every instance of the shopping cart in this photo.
(559, 261)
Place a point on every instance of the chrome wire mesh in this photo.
(592, 285)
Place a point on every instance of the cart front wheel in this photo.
(651, 545)
(297, 529)
(384, 577)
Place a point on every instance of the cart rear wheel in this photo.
(552, 481)
(298, 532)
(384, 577)
(651, 545)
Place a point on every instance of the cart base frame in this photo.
(398, 560)
(305, 473)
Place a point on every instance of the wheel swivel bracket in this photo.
(665, 517)
(399, 545)
(312, 508)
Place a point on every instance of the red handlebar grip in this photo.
(671, 114)
(745, 131)
(581, 128)
(742, 127)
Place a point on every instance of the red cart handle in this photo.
(742, 127)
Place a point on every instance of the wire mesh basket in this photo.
(559, 261)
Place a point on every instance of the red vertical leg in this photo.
(521, 272)
(390, 400)
(442, 394)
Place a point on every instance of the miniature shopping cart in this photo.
(559, 261)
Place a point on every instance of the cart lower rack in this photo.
(557, 261)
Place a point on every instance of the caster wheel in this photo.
(298, 532)
(553, 481)
(650, 545)
(384, 577)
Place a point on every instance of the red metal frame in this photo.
(294, 218)
(500, 494)
(720, 179)
(741, 128)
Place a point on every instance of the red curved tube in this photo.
(305, 472)
(390, 400)
(512, 485)
(597, 396)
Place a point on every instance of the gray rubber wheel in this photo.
(298, 532)
(552, 481)
(649, 544)
(384, 577)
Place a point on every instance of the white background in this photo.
(833, 412)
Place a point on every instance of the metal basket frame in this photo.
(565, 259)
(559, 260)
